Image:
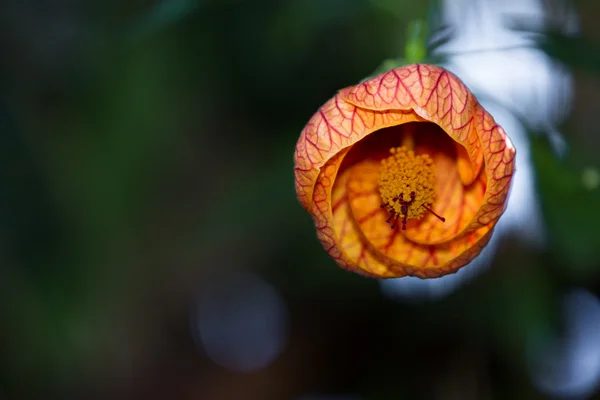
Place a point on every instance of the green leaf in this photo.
(572, 50)
(570, 197)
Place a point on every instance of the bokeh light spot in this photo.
(568, 365)
(590, 178)
(241, 322)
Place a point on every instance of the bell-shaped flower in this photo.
(404, 174)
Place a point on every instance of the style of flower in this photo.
(404, 174)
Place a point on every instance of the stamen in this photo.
(404, 172)
(431, 211)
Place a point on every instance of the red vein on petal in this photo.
(408, 91)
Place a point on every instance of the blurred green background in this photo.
(146, 158)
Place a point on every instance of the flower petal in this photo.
(351, 227)
(336, 126)
(435, 95)
(396, 251)
(499, 155)
(454, 201)
(336, 230)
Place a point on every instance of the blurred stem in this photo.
(415, 49)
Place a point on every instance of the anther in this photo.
(404, 222)
(394, 223)
(405, 172)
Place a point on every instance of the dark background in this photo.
(151, 244)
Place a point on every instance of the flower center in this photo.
(406, 185)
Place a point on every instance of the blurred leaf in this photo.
(297, 23)
(164, 14)
(569, 206)
(574, 51)
(415, 49)
(440, 33)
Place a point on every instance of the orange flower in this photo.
(404, 174)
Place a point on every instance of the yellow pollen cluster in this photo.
(406, 183)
